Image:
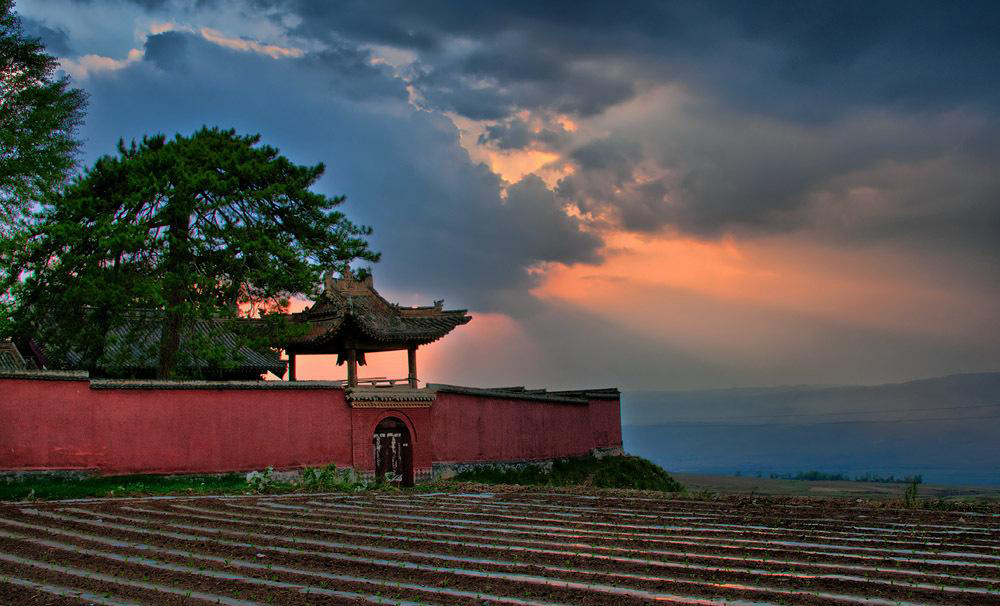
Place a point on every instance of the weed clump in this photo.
(331, 479)
(607, 472)
(261, 481)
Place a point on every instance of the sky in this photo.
(648, 195)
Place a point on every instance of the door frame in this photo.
(406, 448)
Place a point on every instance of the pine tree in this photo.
(206, 226)
(39, 114)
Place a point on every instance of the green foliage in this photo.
(819, 476)
(524, 475)
(890, 479)
(910, 494)
(331, 479)
(67, 487)
(39, 115)
(261, 481)
(266, 481)
(812, 476)
(606, 472)
(170, 232)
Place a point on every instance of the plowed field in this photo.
(526, 547)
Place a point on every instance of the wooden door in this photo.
(393, 454)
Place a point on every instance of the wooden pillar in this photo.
(291, 367)
(411, 360)
(352, 368)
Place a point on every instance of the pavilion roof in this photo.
(352, 310)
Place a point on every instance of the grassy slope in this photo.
(607, 472)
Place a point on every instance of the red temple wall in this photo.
(67, 424)
(470, 428)
(606, 423)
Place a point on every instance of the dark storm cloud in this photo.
(803, 60)
(56, 41)
(169, 51)
(439, 218)
(607, 177)
(809, 66)
(488, 61)
(496, 81)
(542, 228)
(909, 55)
(350, 72)
(518, 134)
(877, 176)
(346, 71)
(153, 5)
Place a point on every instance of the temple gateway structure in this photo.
(66, 420)
(352, 319)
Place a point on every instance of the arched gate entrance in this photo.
(393, 451)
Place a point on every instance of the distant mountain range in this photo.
(946, 429)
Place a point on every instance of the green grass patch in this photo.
(606, 472)
(49, 487)
(53, 486)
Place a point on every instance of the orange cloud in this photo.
(513, 164)
(729, 294)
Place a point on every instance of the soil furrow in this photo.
(972, 557)
(734, 591)
(41, 566)
(767, 533)
(513, 545)
(819, 509)
(850, 589)
(94, 563)
(956, 567)
(186, 556)
(707, 528)
(675, 559)
(576, 592)
(736, 573)
(616, 513)
(15, 590)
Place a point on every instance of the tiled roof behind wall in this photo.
(10, 358)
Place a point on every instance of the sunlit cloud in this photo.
(705, 293)
(391, 56)
(215, 36)
(511, 164)
(81, 68)
(242, 44)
